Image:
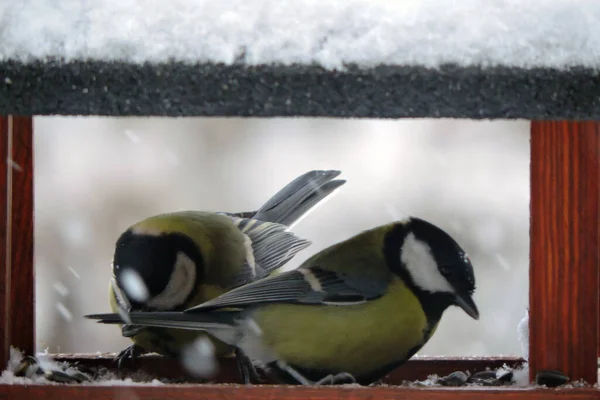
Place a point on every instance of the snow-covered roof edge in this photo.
(182, 89)
(329, 33)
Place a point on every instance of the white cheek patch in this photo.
(416, 256)
(180, 285)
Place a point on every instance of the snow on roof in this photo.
(331, 33)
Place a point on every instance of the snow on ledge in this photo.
(331, 33)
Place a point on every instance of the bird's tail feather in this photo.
(218, 324)
(298, 197)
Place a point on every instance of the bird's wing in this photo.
(268, 247)
(269, 244)
(297, 198)
(304, 285)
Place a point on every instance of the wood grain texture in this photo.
(17, 308)
(565, 244)
(416, 369)
(236, 392)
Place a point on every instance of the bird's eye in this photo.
(446, 270)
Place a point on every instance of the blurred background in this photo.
(96, 176)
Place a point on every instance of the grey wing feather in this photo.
(305, 285)
(296, 198)
(270, 247)
(219, 324)
(288, 205)
(266, 229)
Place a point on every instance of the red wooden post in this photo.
(565, 244)
(17, 308)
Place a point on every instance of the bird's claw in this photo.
(130, 353)
(342, 377)
(246, 369)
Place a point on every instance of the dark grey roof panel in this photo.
(179, 89)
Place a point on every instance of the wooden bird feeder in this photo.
(563, 105)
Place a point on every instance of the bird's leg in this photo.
(246, 368)
(129, 353)
(342, 377)
(294, 374)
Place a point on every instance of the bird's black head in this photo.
(436, 265)
(156, 271)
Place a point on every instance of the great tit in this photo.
(174, 261)
(352, 312)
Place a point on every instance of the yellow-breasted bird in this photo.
(174, 261)
(353, 311)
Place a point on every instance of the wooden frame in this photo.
(226, 392)
(418, 368)
(565, 243)
(17, 308)
(564, 280)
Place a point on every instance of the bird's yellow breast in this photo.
(359, 339)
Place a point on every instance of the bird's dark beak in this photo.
(465, 302)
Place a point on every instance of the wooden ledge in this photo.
(416, 369)
(272, 392)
